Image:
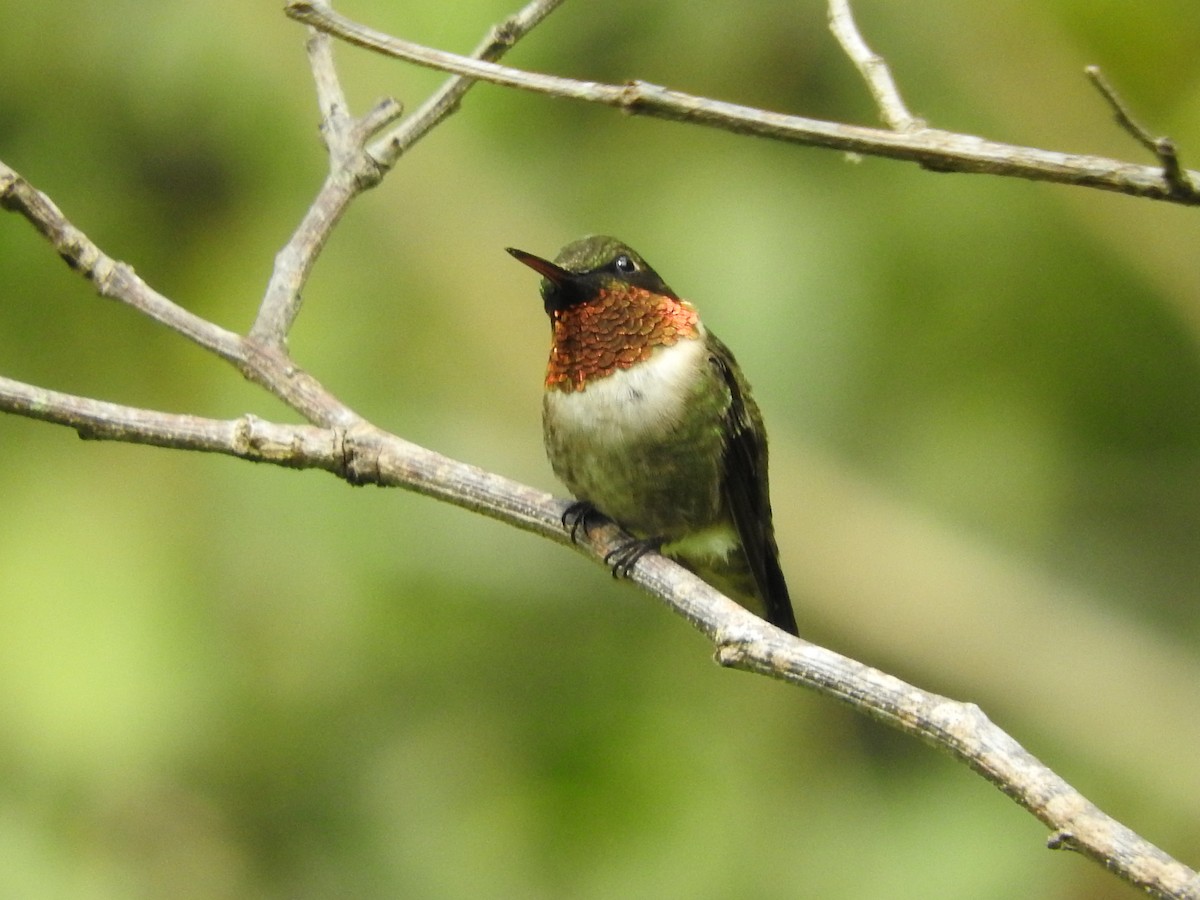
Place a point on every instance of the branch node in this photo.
(1062, 840)
(501, 38)
(631, 97)
(381, 115)
(9, 180)
(297, 9)
(447, 99)
(243, 435)
(341, 452)
(369, 172)
(731, 654)
(360, 464)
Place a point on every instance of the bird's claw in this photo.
(577, 516)
(622, 559)
(625, 557)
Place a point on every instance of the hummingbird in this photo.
(648, 420)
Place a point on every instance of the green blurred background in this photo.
(227, 680)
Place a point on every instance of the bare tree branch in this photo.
(354, 167)
(932, 148)
(360, 454)
(343, 443)
(267, 366)
(111, 278)
(963, 731)
(351, 171)
(295, 446)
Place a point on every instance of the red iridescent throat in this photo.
(615, 330)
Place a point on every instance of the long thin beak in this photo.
(548, 270)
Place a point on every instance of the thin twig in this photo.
(354, 167)
(447, 98)
(265, 365)
(1162, 147)
(110, 277)
(331, 99)
(873, 68)
(1124, 116)
(283, 299)
(933, 148)
(351, 171)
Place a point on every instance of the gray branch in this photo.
(341, 442)
(932, 148)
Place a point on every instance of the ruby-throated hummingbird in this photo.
(647, 418)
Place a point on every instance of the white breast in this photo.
(650, 396)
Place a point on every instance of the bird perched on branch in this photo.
(648, 419)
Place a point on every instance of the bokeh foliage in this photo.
(223, 680)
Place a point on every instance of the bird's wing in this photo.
(744, 484)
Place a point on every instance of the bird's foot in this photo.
(578, 515)
(625, 557)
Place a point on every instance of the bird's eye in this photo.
(624, 265)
